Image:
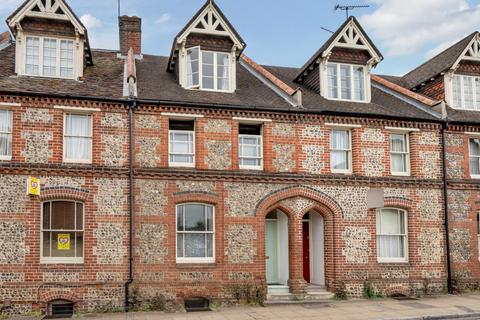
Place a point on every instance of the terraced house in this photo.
(203, 174)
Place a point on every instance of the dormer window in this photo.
(466, 92)
(346, 82)
(208, 70)
(49, 57)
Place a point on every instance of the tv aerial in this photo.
(348, 8)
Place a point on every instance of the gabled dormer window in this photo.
(49, 57)
(208, 70)
(346, 82)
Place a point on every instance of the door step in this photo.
(290, 298)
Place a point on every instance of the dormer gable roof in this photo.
(51, 10)
(209, 20)
(350, 35)
(466, 49)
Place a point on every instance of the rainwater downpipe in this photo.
(445, 204)
(132, 105)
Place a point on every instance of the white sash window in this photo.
(340, 151)
(391, 235)
(181, 146)
(250, 147)
(195, 233)
(77, 147)
(5, 134)
(62, 232)
(399, 154)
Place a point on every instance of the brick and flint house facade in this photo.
(203, 172)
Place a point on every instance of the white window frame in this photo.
(476, 95)
(406, 153)
(57, 57)
(181, 164)
(194, 260)
(80, 161)
(470, 156)
(215, 71)
(349, 169)
(62, 260)
(9, 156)
(249, 167)
(405, 236)
(366, 83)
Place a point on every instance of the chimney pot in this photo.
(130, 29)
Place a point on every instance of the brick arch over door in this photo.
(320, 203)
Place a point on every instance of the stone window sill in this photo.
(196, 265)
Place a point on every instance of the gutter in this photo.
(132, 105)
(445, 204)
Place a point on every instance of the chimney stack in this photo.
(130, 34)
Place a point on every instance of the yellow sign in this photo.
(33, 186)
(63, 241)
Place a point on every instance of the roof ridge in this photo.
(438, 54)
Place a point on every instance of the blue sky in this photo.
(286, 32)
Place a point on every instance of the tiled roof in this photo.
(382, 104)
(102, 80)
(438, 64)
(155, 83)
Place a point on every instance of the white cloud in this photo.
(405, 26)
(90, 21)
(165, 17)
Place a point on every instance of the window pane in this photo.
(46, 243)
(180, 218)
(66, 58)
(399, 163)
(332, 81)
(477, 92)
(49, 57)
(78, 125)
(177, 158)
(63, 244)
(209, 218)
(32, 56)
(79, 244)
(389, 222)
(340, 139)
(339, 160)
(5, 121)
(79, 225)
(193, 67)
(359, 82)
(207, 70)
(475, 166)
(209, 245)
(457, 92)
(207, 83)
(390, 246)
(46, 215)
(63, 215)
(78, 148)
(207, 58)
(195, 245)
(398, 143)
(345, 82)
(468, 92)
(250, 162)
(195, 217)
(180, 246)
(223, 75)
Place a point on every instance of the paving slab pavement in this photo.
(431, 308)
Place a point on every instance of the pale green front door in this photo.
(271, 254)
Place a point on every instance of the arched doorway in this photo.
(313, 240)
(276, 251)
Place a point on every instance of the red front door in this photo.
(306, 251)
